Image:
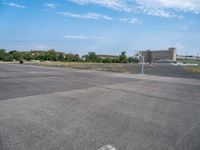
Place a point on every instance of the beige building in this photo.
(108, 56)
(159, 56)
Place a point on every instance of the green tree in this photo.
(8, 57)
(27, 56)
(12, 52)
(60, 57)
(77, 57)
(17, 56)
(115, 60)
(2, 54)
(132, 60)
(72, 58)
(107, 60)
(123, 58)
(40, 57)
(51, 55)
(92, 57)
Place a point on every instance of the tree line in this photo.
(53, 55)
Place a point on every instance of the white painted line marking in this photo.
(107, 147)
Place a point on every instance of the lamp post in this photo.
(186, 57)
(142, 63)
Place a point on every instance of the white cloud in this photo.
(51, 5)
(94, 16)
(80, 37)
(178, 5)
(42, 47)
(164, 8)
(120, 5)
(15, 5)
(83, 37)
(159, 12)
(135, 21)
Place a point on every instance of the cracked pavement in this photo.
(51, 108)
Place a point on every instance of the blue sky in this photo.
(103, 26)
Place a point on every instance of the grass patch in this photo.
(193, 69)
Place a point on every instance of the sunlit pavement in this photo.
(56, 108)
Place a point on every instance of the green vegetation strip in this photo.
(53, 55)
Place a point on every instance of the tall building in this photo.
(159, 56)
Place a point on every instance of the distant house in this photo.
(165, 56)
(39, 53)
(108, 56)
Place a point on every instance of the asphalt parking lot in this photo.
(167, 70)
(49, 108)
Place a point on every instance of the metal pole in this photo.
(186, 57)
(142, 62)
(142, 65)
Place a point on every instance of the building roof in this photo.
(107, 56)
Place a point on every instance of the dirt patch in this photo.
(113, 67)
(193, 69)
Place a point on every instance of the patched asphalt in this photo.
(51, 108)
(168, 70)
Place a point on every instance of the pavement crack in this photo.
(184, 135)
(153, 96)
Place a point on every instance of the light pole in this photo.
(142, 62)
(186, 57)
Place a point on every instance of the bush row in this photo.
(52, 55)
